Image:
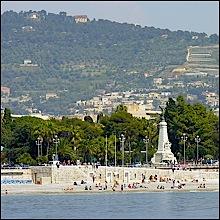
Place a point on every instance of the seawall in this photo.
(69, 174)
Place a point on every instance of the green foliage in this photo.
(87, 141)
(121, 108)
(7, 117)
(193, 120)
(66, 150)
(42, 159)
(26, 159)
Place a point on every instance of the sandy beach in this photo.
(210, 185)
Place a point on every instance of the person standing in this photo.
(122, 187)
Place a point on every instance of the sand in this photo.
(210, 185)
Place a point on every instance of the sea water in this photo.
(112, 205)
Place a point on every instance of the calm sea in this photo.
(165, 205)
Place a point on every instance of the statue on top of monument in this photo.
(162, 113)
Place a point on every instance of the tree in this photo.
(7, 119)
(121, 108)
(192, 119)
(26, 159)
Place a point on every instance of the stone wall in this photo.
(19, 174)
(38, 172)
(69, 174)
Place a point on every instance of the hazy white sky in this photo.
(198, 16)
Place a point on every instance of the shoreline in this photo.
(65, 189)
(106, 192)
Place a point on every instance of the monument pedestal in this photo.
(163, 157)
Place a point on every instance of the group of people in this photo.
(201, 185)
(177, 184)
(86, 187)
(153, 178)
(160, 187)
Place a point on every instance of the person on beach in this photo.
(122, 187)
(6, 191)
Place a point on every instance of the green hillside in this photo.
(77, 60)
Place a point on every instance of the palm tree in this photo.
(46, 130)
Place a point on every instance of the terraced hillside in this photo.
(203, 58)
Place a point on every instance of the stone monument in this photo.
(163, 154)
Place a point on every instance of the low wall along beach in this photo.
(51, 179)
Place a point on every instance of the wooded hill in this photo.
(76, 60)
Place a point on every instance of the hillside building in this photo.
(5, 90)
(81, 18)
(50, 95)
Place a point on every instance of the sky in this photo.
(198, 16)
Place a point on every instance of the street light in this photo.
(56, 140)
(122, 148)
(197, 140)
(184, 138)
(39, 143)
(146, 141)
(106, 157)
(115, 151)
(106, 151)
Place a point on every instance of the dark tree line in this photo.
(86, 140)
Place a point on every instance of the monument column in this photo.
(163, 154)
(163, 136)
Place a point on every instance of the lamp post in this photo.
(106, 150)
(184, 138)
(106, 157)
(115, 152)
(56, 140)
(146, 141)
(41, 147)
(197, 140)
(122, 148)
(39, 143)
(129, 151)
